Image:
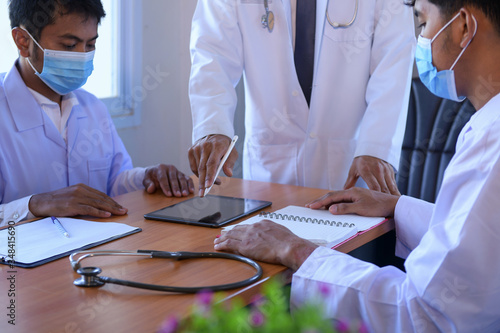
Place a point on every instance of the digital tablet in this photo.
(210, 211)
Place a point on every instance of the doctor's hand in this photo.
(205, 156)
(170, 180)
(377, 174)
(75, 200)
(357, 200)
(268, 242)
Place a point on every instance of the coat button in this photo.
(295, 93)
(312, 135)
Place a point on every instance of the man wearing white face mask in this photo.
(60, 153)
(452, 279)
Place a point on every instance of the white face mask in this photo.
(441, 84)
(63, 71)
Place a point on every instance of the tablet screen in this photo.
(209, 211)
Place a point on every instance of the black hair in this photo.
(35, 15)
(490, 8)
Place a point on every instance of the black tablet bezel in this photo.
(259, 204)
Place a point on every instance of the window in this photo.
(116, 79)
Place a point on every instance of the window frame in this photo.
(129, 90)
(125, 108)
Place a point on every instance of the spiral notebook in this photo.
(318, 226)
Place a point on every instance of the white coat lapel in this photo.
(288, 13)
(51, 131)
(320, 26)
(27, 113)
(76, 122)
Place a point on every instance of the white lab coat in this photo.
(359, 100)
(452, 282)
(34, 158)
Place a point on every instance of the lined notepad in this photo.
(318, 226)
(41, 241)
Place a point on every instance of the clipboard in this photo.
(38, 242)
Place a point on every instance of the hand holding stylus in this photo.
(209, 156)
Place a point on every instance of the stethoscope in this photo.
(90, 275)
(267, 19)
(337, 25)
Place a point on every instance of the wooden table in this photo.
(47, 300)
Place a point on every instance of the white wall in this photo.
(164, 135)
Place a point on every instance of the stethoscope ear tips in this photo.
(88, 277)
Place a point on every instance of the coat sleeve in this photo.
(412, 218)
(451, 282)
(391, 64)
(15, 211)
(217, 66)
(121, 163)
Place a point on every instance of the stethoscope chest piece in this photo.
(88, 277)
(267, 19)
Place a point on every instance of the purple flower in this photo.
(170, 325)
(257, 318)
(205, 297)
(342, 326)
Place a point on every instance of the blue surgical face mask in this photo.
(63, 71)
(441, 83)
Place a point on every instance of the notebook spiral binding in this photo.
(305, 219)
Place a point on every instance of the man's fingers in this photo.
(205, 157)
(173, 180)
(183, 184)
(351, 181)
(92, 211)
(202, 171)
(229, 165)
(103, 198)
(372, 182)
(393, 188)
(86, 194)
(343, 208)
(329, 199)
(190, 185)
(106, 204)
(390, 179)
(212, 165)
(148, 183)
(193, 160)
(75, 200)
(228, 245)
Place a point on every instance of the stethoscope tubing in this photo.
(75, 263)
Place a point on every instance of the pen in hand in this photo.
(59, 226)
(224, 158)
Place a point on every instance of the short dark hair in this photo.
(490, 8)
(35, 15)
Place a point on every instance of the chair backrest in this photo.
(432, 129)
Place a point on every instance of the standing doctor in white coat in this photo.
(354, 124)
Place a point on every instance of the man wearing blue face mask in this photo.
(452, 279)
(60, 153)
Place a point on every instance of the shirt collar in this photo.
(486, 115)
(69, 99)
